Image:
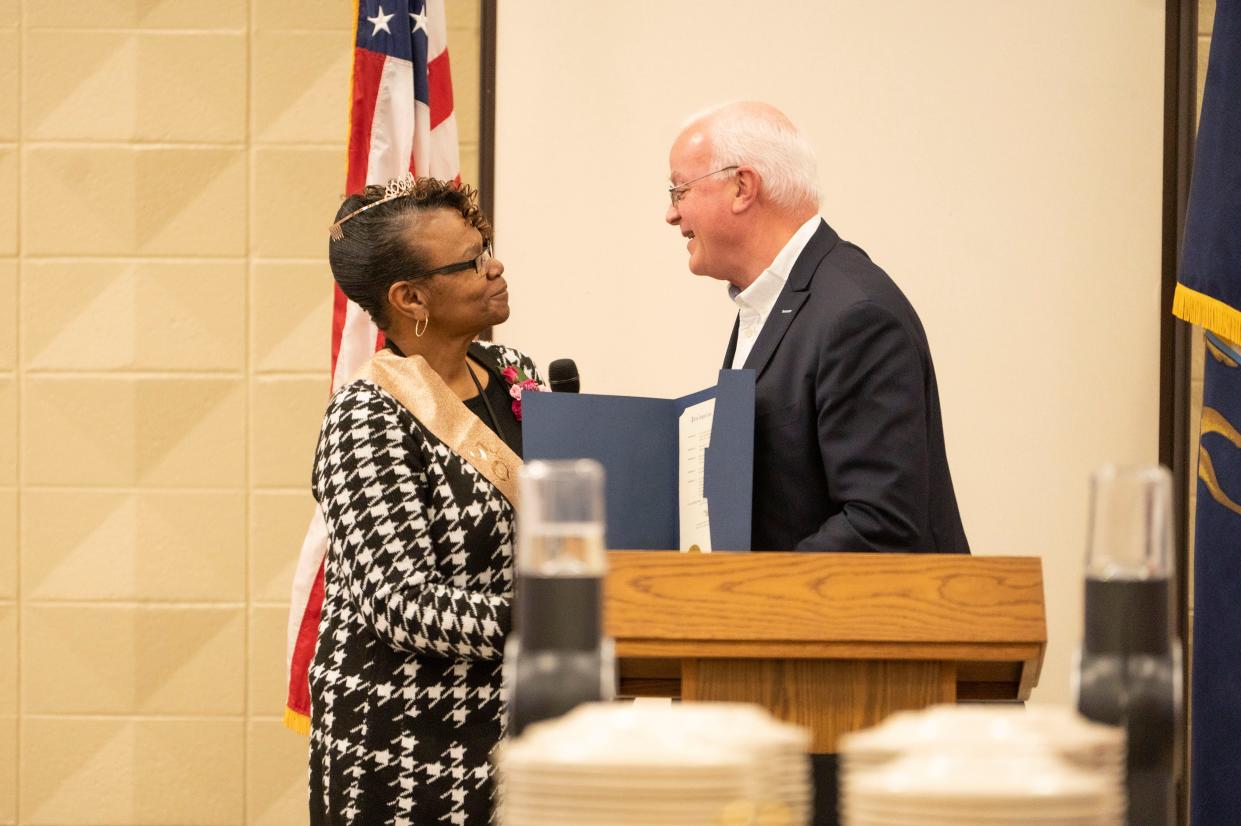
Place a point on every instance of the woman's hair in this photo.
(374, 252)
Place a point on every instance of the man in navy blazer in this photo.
(849, 445)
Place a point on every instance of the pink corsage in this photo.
(518, 383)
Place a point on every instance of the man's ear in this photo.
(409, 299)
(748, 185)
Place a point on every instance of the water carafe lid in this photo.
(560, 521)
(1130, 524)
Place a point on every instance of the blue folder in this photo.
(635, 439)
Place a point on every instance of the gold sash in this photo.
(421, 391)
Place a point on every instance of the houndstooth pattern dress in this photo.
(405, 684)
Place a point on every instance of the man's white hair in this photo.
(760, 136)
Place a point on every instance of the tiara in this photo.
(395, 188)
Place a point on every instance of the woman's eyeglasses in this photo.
(479, 265)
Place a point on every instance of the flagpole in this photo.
(487, 111)
(487, 119)
(1175, 350)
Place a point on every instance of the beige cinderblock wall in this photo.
(166, 174)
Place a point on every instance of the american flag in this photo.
(400, 119)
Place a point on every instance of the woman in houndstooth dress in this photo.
(415, 473)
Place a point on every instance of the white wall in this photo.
(1001, 160)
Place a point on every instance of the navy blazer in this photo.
(849, 444)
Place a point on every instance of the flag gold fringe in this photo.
(296, 721)
(1211, 313)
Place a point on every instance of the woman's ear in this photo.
(409, 299)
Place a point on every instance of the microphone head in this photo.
(562, 376)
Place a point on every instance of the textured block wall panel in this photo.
(300, 86)
(275, 796)
(291, 317)
(8, 770)
(8, 656)
(133, 431)
(10, 55)
(139, 772)
(133, 200)
(8, 430)
(8, 548)
(133, 659)
(277, 523)
(134, 86)
(168, 169)
(134, 545)
(286, 414)
(292, 187)
(8, 199)
(138, 14)
(286, 15)
(139, 315)
(8, 314)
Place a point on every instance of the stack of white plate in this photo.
(976, 765)
(614, 764)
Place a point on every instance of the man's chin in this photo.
(703, 273)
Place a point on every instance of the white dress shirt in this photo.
(757, 300)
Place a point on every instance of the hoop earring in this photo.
(418, 331)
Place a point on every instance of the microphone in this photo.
(562, 376)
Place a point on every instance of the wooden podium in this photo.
(833, 642)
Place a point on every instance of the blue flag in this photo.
(1209, 293)
(1209, 288)
(1215, 753)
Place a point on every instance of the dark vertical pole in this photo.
(487, 117)
(1180, 70)
(487, 110)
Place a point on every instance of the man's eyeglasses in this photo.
(479, 264)
(676, 193)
